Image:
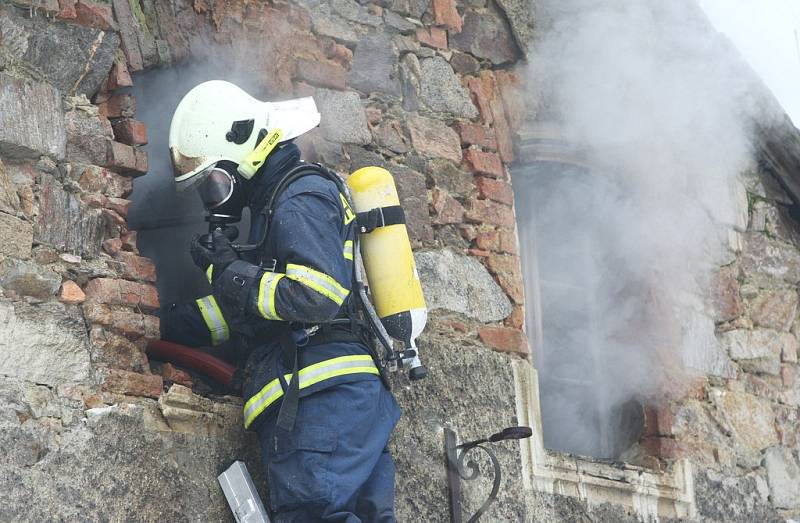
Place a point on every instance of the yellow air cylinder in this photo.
(389, 263)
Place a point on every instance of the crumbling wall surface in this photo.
(739, 426)
(96, 431)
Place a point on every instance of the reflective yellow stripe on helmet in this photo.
(214, 319)
(318, 281)
(311, 375)
(266, 295)
(210, 273)
(348, 250)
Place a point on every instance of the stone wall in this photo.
(92, 429)
(742, 427)
(95, 431)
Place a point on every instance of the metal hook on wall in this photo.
(460, 468)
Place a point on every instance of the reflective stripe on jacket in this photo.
(311, 239)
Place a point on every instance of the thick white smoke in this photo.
(660, 104)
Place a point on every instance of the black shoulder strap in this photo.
(302, 170)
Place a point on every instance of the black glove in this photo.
(220, 255)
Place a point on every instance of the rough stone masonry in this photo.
(93, 431)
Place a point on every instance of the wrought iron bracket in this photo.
(459, 467)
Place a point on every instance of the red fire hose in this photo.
(207, 364)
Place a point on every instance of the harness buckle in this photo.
(270, 266)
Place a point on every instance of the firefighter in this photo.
(312, 388)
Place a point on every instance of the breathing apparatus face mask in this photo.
(222, 193)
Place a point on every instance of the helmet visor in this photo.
(216, 188)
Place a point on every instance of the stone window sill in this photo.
(649, 493)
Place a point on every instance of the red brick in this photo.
(100, 180)
(446, 209)
(487, 240)
(509, 275)
(338, 52)
(129, 242)
(116, 351)
(480, 162)
(508, 241)
(509, 86)
(481, 90)
(114, 219)
(119, 75)
(517, 318)
(142, 163)
(175, 375)
(120, 157)
(476, 134)
(505, 140)
(118, 105)
(787, 376)
(71, 293)
(134, 325)
(725, 295)
(119, 205)
(136, 267)
(468, 231)
(664, 448)
(489, 212)
(131, 324)
(496, 190)
(66, 10)
(504, 339)
(432, 37)
(121, 292)
(94, 201)
(112, 246)
(124, 159)
(130, 131)
(658, 420)
(133, 383)
(96, 15)
(446, 14)
(479, 253)
(322, 74)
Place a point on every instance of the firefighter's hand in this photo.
(221, 254)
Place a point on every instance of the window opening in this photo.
(562, 231)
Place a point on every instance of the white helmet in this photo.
(218, 121)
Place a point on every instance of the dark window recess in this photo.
(561, 233)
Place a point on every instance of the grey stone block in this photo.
(343, 117)
(31, 119)
(73, 58)
(86, 138)
(66, 224)
(486, 35)
(28, 279)
(458, 283)
(17, 236)
(44, 344)
(107, 463)
(783, 476)
(374, 66)
(441, 91)
(759, 350)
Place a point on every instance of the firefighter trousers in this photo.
(335, 465)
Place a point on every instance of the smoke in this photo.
(659, 104)
(165, 219)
